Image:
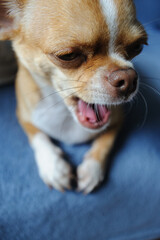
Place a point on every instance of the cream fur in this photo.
(40, 30)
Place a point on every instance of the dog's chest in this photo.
(52, 117)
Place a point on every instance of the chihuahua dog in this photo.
(74, 74)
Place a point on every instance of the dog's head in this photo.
(83, 47)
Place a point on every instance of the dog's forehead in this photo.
(82, 21)
(117, 13)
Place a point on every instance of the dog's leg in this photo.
(92, 170)
(53, 169)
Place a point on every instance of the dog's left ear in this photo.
(10, 11)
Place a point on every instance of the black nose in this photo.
(125, 81)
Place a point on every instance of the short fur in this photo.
(48, 89)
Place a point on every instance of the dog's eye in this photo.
(69, 57)
(133, 50)
(137, 48)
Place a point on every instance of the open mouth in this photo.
(92, 115)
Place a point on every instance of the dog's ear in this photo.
(10, 11)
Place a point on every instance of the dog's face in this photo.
(83, 47)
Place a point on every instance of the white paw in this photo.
(55, 172)
(53, 169)
(90, 173)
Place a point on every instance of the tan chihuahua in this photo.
(74, 74)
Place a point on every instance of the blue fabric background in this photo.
(127, 206)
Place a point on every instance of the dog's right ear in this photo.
(10, 11)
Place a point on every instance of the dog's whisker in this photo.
(131, 104)
(153, 21)
(150, 87)
(76, 81)
(56, 92)
(135, 99)
(128, 110)
(146, 109)
(154, 78)
(47, 86)
(61, 100)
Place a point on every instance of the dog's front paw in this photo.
(54, 171)
(57, 174)
(90, 173)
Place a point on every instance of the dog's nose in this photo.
(125, 81)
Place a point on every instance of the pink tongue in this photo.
(88, 113)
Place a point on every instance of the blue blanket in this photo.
(127, 206)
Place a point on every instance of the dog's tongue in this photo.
(91, 115)
(86, 111)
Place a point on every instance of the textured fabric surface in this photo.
(126, 207)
